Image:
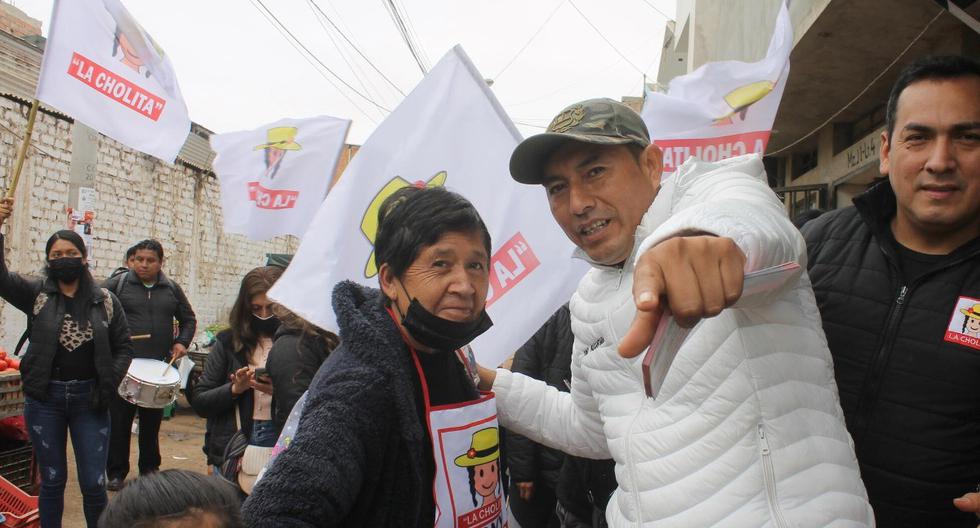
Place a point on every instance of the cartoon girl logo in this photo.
(279, 141)
(971, 320)
(482, 462)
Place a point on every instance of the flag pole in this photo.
(23, 149)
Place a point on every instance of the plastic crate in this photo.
(11, 395)
(19, 509)
(17, 466)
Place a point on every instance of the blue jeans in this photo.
(263, 433)
(69, 409)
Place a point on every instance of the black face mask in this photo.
(442, 334)
(267, 326)
(66, 269)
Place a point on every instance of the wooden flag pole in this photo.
(23, 149)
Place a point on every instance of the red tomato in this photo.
(14, 363)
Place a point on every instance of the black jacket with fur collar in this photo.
(358, 458)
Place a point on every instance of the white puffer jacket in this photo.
(747, 430)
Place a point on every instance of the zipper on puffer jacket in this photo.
(769, 478)
(872, 381)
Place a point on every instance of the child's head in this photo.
(174, 498)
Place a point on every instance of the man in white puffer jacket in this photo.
(746, 429)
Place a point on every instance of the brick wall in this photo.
(138, 197)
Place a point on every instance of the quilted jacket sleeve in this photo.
(565, 421)
(729, 199)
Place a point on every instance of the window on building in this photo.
(804, 162)
(846, 134)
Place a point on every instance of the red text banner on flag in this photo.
(271, 198)
(480, 517)
(116, 88)
(676, 151)
(514, 261)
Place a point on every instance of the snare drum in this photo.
(150, 383)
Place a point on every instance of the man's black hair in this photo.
(151, 245)
(929, 68)
(414, 218)
(130, 252)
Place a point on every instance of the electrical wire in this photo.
(407, 18)
(311, 63)
(589, 22)
(862, 92)
(403, 30)
(358, 50)
(528, 43)
(350, 66)
(344, 27)
(19, 138)
(320, 62)
(649, 3)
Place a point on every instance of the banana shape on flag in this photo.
(741, 98)
(369, 223)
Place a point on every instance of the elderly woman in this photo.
(393, 422)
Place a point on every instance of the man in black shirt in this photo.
(893, 277)
(152, 302)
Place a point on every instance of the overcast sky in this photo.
(236, 71)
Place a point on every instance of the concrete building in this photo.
(17, 23)
(138, 197)
(824, 147)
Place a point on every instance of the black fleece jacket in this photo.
(293, 361)
(359, 457)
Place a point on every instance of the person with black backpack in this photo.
(79, 352)
(152, 301)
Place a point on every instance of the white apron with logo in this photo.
(468, 485)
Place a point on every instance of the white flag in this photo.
(722, 109)
(274, 178)
(449, 131)
(103, 69)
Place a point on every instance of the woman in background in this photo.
(229, 383)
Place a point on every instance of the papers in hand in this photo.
(670, 336)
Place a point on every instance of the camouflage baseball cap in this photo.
(597, 121)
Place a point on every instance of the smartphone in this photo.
(261, 373)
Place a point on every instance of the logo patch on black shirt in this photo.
(964, 324)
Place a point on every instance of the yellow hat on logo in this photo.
(280, 138)
(973, 311)
(484, 447)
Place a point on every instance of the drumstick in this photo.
(172, 359)
(141, 336)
